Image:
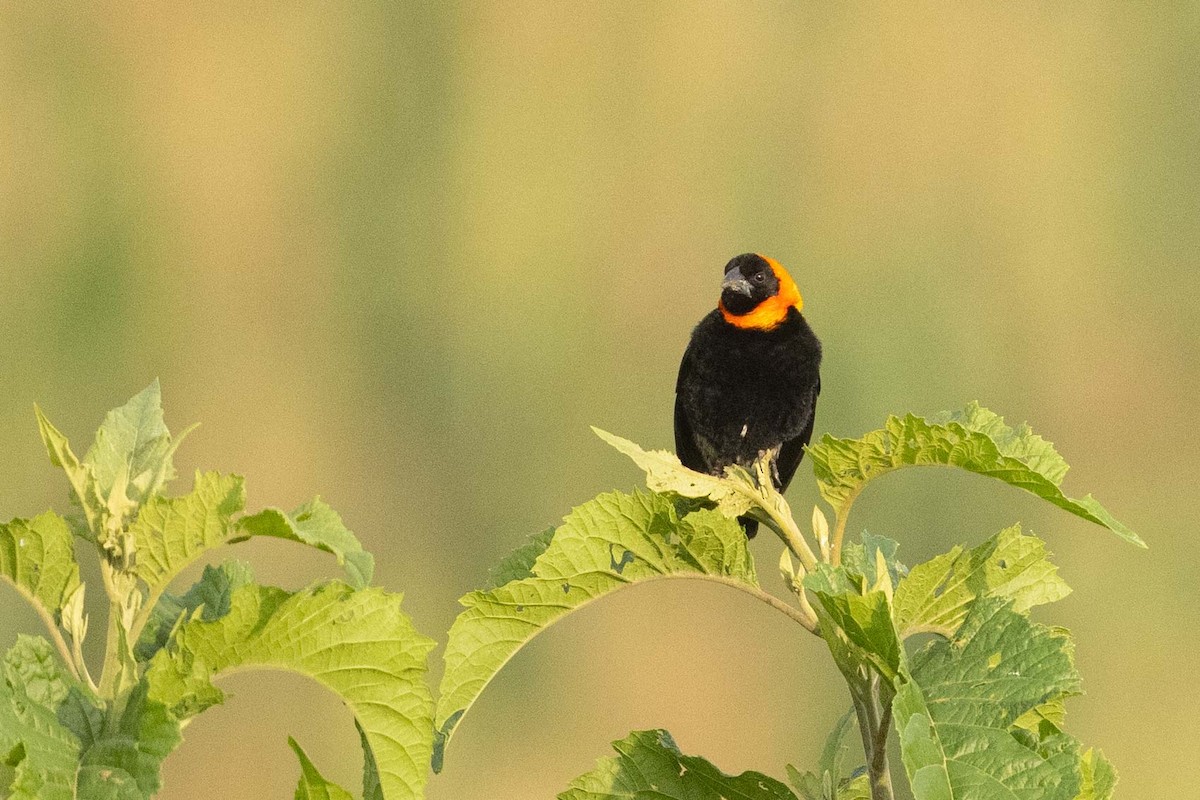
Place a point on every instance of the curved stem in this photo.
(784, 525)
(839, 527)
(807, 619)
(794, 539)
(807, 608)
(143, 615)
(55, 635)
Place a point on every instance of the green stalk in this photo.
(842, 513)
(873, 708)
(52, 628)
(112, 639)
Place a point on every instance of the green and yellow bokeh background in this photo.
(403, 254)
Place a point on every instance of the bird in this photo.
(749, 378)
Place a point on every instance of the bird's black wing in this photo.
(792, 450)
(685, 439)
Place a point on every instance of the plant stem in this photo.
(806, 618)
(55, 634)
(143, 616)
(765, 506)
(787, 529)
(112, 640)
(794, 539)
(881, 720)
(874, 726)
(842, 513)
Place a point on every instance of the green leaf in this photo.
(317, 525)
(120, 750)
(372, 790)
(974, 439)
(519, 564)
(1052, 712)
(856, 624)
(171, 533)
(826, 783)
(936, 595)
(118, 760)
(607, 543)
(359, 644)
(666, 473)
(313, 785)
(860, 558)
(39, 753)
(212, 594)
(133, 449)
(648, 765)
(106, 783)
(37, 557)
(1015, 665)
(33, 665)
(135, 745)
(1098, 778)
(857, 788)
(81, 477)
(955, 716)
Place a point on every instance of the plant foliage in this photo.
(943, 655)
(65, 735)
(978, 710)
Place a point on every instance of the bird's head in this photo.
(757, 292)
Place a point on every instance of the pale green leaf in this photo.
(649, 764)
(212, 594)
(84, 488)
(607, 543)
(1052, 712)
(171, 533)
(317, 525)
(955, 716)
(1098, 778)
(359, 644)
(312, 785)
(665, 473)
(936, 595)
(857, 788)
(37, 556)
(974, 439)
(133, 448)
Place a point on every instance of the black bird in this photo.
(749, 379)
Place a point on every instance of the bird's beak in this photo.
(734, 282)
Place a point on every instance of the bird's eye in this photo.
(759, 277)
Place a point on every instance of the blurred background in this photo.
(402, 255)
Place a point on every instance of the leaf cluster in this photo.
(978, 709)
(67, 732)
(944, 654)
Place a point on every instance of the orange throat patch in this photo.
(770, 313)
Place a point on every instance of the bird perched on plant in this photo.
(749, 379)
